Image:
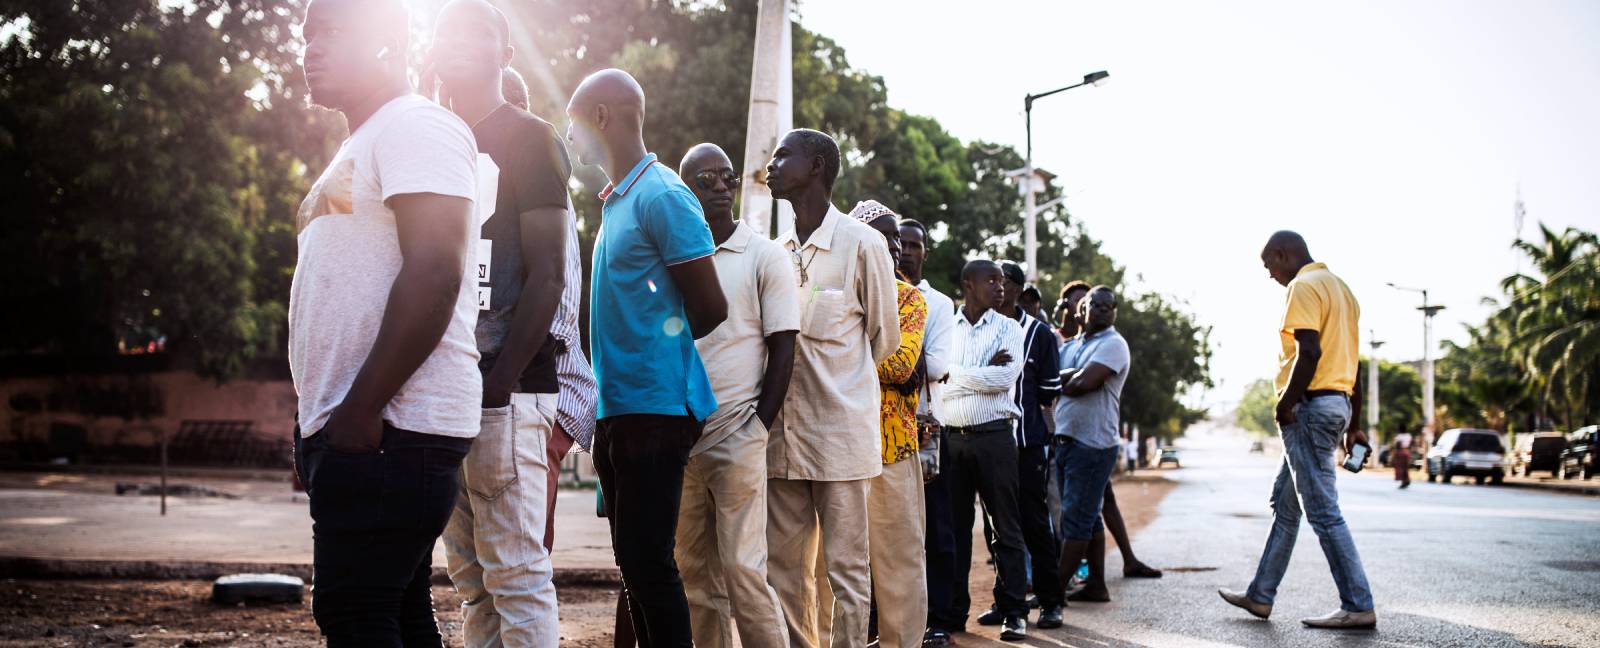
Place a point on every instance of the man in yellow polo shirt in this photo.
(1316, 379)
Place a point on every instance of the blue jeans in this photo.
(1306, 482)
(1083, 473)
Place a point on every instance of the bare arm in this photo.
(703, 301)
(544, 257)
(433, 231)
(1085, 380)
(775, 381)
(1308, 351)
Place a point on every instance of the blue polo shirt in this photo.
(639, 338)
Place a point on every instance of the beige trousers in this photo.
(805, 518)
(896, 522)
(722, 542)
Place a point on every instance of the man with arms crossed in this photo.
(503, 577)
(653, 292)
(825, 448)
(1094, 367)
(1316, 376)
(381, 315)
(722, 523)
(979, 417)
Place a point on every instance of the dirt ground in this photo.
(179, 613)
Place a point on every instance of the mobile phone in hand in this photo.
(1357, 458)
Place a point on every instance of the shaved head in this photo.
(1284, 255)
(613, 88)
(1288, 242)
(701, 157)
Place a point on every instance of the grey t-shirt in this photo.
(1092, 418)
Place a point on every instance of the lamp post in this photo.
(1428, 311)
(1029, 211)
(1372, 388)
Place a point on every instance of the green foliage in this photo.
(1553, 324)
(1256, 412)
(1399, 397)
(142, 186)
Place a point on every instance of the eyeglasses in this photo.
(708, 179)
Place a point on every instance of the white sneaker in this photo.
(1343, 619)
(1238, 599)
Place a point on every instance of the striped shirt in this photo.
(976, 392)
(575, 405)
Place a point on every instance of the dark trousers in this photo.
(640, 459)
(1033, 509)
(374, 520)
(984, 464)
(940, 543)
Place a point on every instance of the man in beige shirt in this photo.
(722, 520)
(826, 444)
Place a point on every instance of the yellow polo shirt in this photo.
(1319, 301)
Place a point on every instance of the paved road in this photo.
(1455, 565)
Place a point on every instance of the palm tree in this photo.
(1555, 319)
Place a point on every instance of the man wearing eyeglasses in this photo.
(722, 520)
(825, 447)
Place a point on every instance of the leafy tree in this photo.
(1555, 322)
(1399, 397)
(1257, 410)
(142, 183)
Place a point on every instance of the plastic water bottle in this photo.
(1083, 570)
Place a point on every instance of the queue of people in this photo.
(794, 437)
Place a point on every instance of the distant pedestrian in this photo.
(1316, 377)
(654, 290)
(722, 522)
(1400, 459)
(381, 314)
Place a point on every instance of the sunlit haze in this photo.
(1393, 135)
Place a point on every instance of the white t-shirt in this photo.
(348, 259)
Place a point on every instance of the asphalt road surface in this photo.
(1450, 565)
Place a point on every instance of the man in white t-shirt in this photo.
(381, 316)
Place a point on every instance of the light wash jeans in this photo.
(493, 543)
(1306, 482)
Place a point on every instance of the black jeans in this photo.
(640, 459)
(1033, 508)
(374, 520)
(940, 543)
(984, 464)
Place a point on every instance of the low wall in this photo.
(120, 418)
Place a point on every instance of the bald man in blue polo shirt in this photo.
(654, 290)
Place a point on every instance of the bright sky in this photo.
(1392, 134)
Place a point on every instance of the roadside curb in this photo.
(1580, 488)
(61, 569)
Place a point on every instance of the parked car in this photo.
(1169, 454)
(1540, 451)
(1480, 454)
(1582, 455)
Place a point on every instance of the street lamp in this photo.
(1029, 212)
(1427, 359)
(1372, 387)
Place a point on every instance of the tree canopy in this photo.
(155, 152)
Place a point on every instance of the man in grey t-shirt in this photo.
(1094, 366)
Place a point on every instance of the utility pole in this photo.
(771, 115)
(1428, 311)
(1372, 388)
